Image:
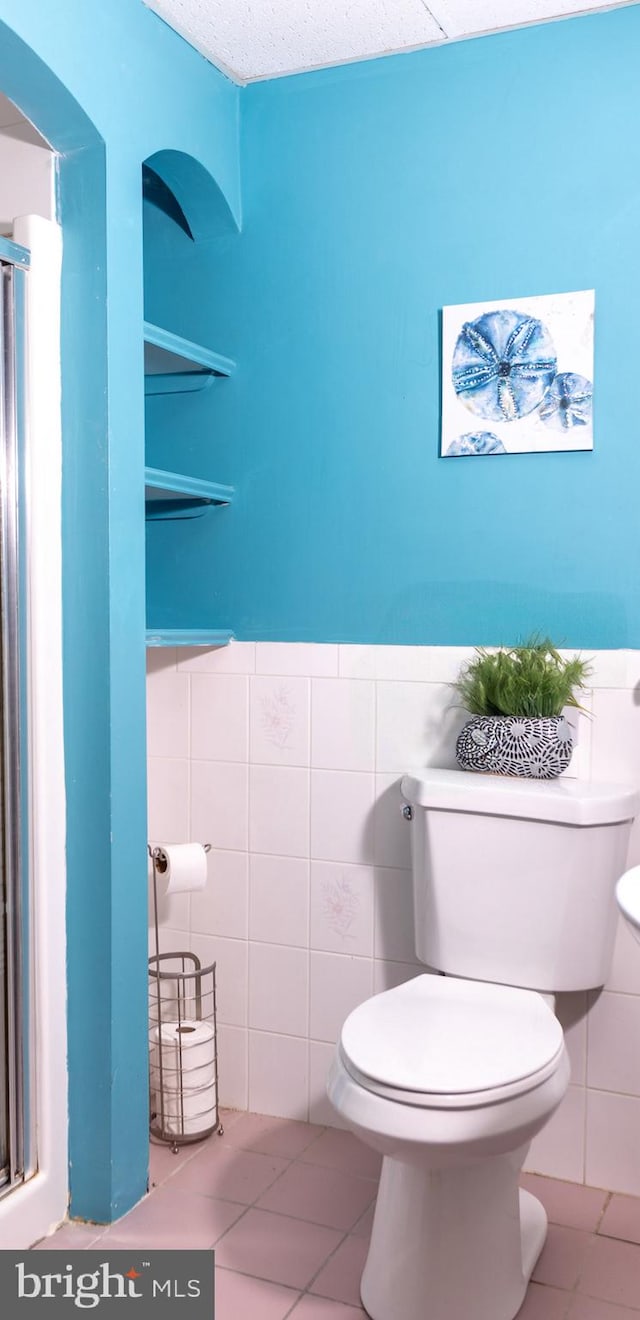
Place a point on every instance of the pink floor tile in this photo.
(341, 1150)
(340, 1277)
(563, 1256)
(163, 1163)
(569, 1204)
(284, 1137)
(277, 1248)
(229, 1175)
(71, 1237)
(587, 1308)
(622, 1219)
(542, 1303)
(238, 1297)
(171, 1217)
(323, 1196)
(612, 1272)
(320, 1308)
(364, 1225)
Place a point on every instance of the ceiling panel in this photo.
(264, 38)
(461, 18)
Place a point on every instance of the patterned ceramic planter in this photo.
(513, 745)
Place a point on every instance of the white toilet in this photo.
(450, 1077)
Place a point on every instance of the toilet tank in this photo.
(513, 879)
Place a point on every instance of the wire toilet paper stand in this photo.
(183, 1038)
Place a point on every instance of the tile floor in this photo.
(288, 1207)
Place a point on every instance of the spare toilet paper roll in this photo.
(187, 1116)
(182, 867)
(188, 1055)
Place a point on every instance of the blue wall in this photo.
(373, 195)
(109, 86)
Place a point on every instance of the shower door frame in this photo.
(14, 262)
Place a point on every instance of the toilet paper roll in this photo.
(194, 1113)
(188, 1055)
(185, 867)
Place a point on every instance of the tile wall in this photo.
(287, 758)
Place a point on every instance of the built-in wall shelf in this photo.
(189, 637)
(173, 365)
(173, 495)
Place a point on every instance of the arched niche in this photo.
(195, 192)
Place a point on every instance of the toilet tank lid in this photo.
(564, 801)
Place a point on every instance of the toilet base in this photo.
(452, 1243)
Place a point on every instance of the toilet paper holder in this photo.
(183, 1039)
(159, 858)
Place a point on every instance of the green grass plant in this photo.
(528, 680)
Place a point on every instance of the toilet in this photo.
(450, 1076)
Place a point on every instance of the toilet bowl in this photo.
(450, 1076)
(449, 1080)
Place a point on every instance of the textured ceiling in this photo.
(265, 38)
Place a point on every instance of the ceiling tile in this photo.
(262, 38)
(461, 18)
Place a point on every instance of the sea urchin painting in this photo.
(518, 375)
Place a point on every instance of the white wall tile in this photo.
(278, 1075)
(394, 924)
(337, 985)
(581, 722)
(168, 800)
(615, 746)
(558, 1151)
(279, 900)
(392, 835)
(161, 658)
(171, 941)
(342, 908)
(609, 669)
(232, 975)
(219, 717)
(236, 658)
(342, 816)
(279, 989)
(279, 816)
(280, 720)
(445, 662)
(614, 1044)
(219, 804)
(167, 713)
(357, 661)
(320, 1109)
(625, 971)
(307, 658)
(342, 724)
(417, 725)
(233, 1066)
(222, 907)
(613, 1144)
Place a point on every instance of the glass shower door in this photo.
(14, 993)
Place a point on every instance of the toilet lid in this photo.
(443, 1036)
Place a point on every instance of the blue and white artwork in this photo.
(518, 376)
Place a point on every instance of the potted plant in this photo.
(516, 696)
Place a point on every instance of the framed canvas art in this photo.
(518, 375)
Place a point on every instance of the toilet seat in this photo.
(448, 1043)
